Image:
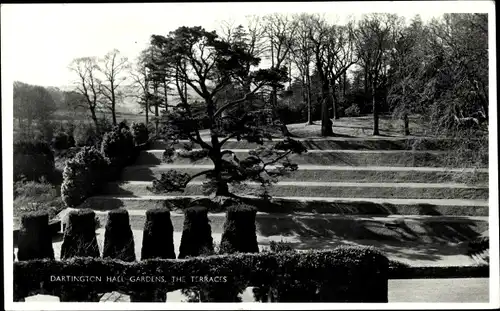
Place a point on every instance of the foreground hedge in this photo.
(35, 237)
(345, 274)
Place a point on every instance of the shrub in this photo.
(83, 176)
(158, 235)
(118, 146)
(35, 238)
(118, 238)
(140, 133)
(63, 141)
(345, 274)
(85, 134)
(79, 235)
(281, 246)
(33, 160)
(239, 230)
(46, 131)
(352, 111)
(196, 234)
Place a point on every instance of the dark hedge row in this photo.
(33, 160)
(197, 234)
(346, 274)
(35, 237)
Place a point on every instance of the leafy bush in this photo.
(158, 235)
(118, 238)
(83, 176)
(33, 160)
(345, 274)
(85, 134)
(46, 131)
(196, 234)
(140, 133)
(281, 246)
(79, 235)
(63, 141)
(239, 230)
(35, 238)
(352, 111)
(118, 146)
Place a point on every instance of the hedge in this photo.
(118, 237)
(345, 274)
(33, 160)
(79, 235)
(239, 230)
(197, 234)
(140, 133)
(35, 237)
(158, 235)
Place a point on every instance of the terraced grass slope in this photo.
(391, 190)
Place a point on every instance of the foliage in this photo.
(158, 235)
(240, 234)
(85, 134)
(352, 111)
(118, 145)
(63, 141)
(361, 274)
(30, 196)
(79, 236)
(140, 133)
(35, 238)
(196, 234)
(118, 237)
(83, 176)
(33, 160)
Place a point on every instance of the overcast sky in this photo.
(41, 40)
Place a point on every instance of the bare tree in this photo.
(113, 67)
(373, 45)
(302, 52)
(88, 84)
(140, 82)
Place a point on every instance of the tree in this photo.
(373, 44)
(208, 64)
(140, 82)
(31, 103)
(405, 71)
(88, 84)
(113, 67)
(302, 55)
(280, 32)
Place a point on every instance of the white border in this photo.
(206, 8)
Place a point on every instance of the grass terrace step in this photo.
(332, 173)
(342, 206)
(424, 229)
(326, 189)
(330, 157)
(354, 143)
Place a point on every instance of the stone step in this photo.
(426, 229)
(373, 143)
(324, 157)
(324, 189)
(320, 205)
(331, 173)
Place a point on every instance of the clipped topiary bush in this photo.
(35, 238)
(118, 147)
(158, 235)
(140, 133)
(196, 234)
(239, 230)
(33, 160)
(83, 176)
(118, 238)
(79, 235)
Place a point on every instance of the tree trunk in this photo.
(113, 103)
(344, 85)
(375, 109)
(326, 122)
(366, 88)
(406, 124)
(94, 118)
(308, 96)
(334, 100)
(165, 91)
